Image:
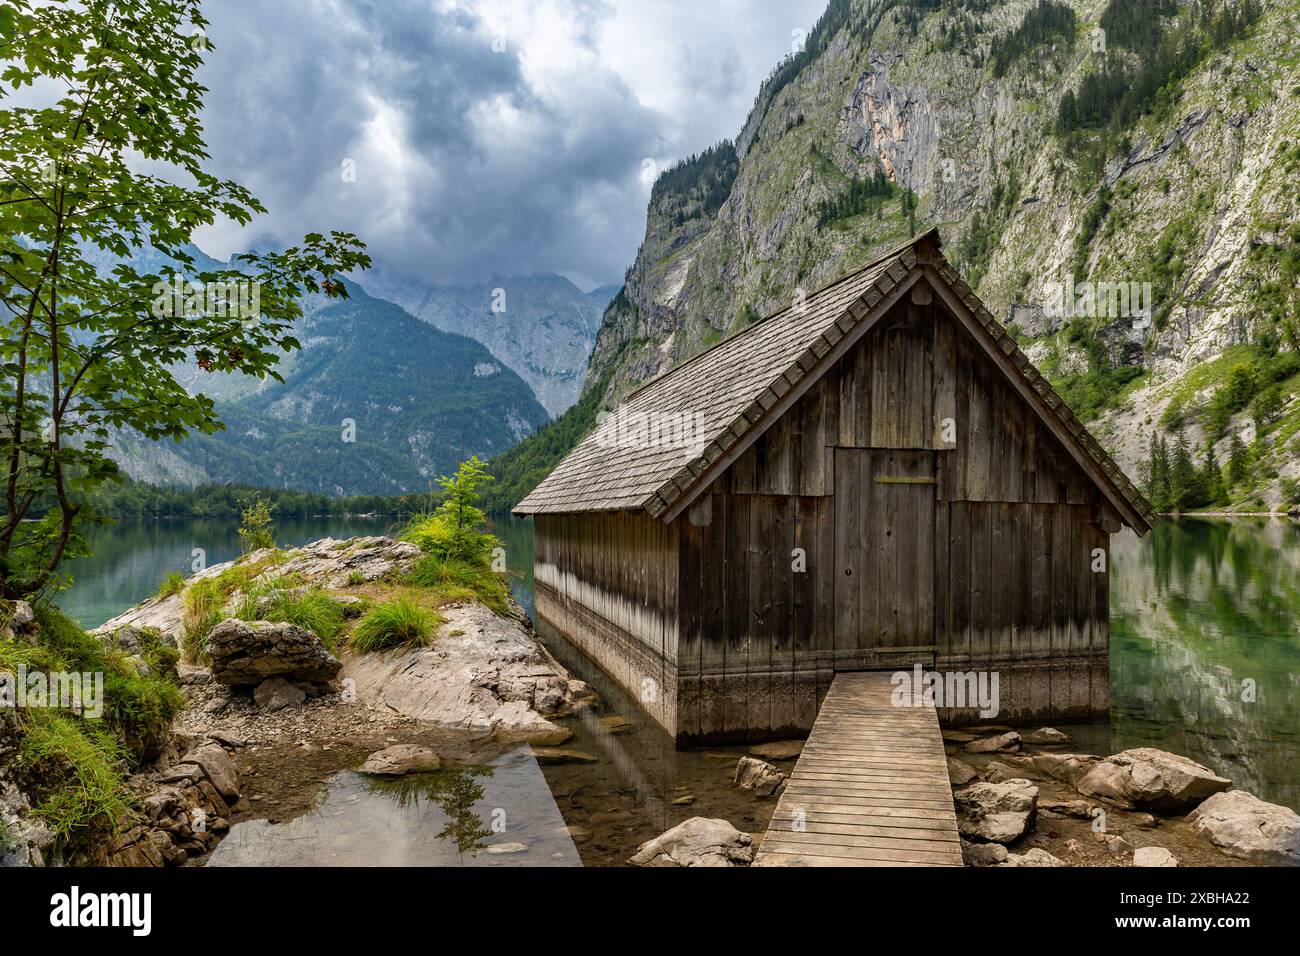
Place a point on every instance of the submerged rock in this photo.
(557, 755)
(1242, 825)
(401, 759)
(1002, 743)
(996, 812)
(245, 653)
(778, 750)
(698, 841)
(1045, 737)
(758, 777)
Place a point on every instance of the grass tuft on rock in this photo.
(461, 580)
(174, 583)
(395, 624)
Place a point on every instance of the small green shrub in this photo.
(255, 528)
(455, 528)
(398, 623)
(174, 583)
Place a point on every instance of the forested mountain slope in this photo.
(1058, 146)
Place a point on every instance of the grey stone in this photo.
(401, 759)
(1045, 736)
(1002, 743)
(698, 841)
(1035, 856)
(1153, 856)
(277, 693)
(1146, 777)
(1244, 826)
(983, 854)
(758, 777)
(217, 767)
(996, 812)
(249, 652)
(959, 773)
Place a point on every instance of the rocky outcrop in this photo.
(246, 653)
(484, 673)
(1244, 826)
(758, 777)
(698, 841)
(183, 810)
(1141, 777)
(1146, 777)
(996, 812)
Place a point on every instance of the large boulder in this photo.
(1146, 777)
(276, 693)
(1153, 856)
(697, 842)
(217, 766)
(759, 777)
(338, 564)
(996, 812)
(248, 652)
(1242, 825)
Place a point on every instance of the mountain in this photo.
(376, 402)
(542, 327)
(1059, 146)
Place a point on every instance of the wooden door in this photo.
(884, 550)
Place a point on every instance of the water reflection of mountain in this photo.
(1205, 648)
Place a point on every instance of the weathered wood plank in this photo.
(883, 799)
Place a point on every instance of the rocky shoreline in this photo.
(273, 712)
(1025, 801)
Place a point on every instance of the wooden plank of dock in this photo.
(870, 789)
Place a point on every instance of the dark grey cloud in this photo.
(491, 137)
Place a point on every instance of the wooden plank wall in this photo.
(608, 581)
(749, 645)
(1001, 596)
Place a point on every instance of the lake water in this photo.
(1205, 661)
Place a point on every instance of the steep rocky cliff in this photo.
(1174, 163)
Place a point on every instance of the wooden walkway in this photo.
(870, 789)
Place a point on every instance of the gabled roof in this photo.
(727, 395)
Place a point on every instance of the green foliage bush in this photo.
(256, 531)
(394, 624)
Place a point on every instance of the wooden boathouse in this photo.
(872, 479)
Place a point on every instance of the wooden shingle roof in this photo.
(725, 394)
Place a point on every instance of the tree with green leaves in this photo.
(1238, 461)
(102, 166)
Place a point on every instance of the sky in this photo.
(465, 139)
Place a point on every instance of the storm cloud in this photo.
(467, 139)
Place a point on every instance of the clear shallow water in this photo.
(1197, 608)
(445, 818)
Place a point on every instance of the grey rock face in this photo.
(1146, 777)
(1153, 856)
(245, 653)
(758, 777)
(996, 812)
(1242, 825)
(276, 693)
(483, 673)
(698, 841)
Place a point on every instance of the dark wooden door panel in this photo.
(884, 507)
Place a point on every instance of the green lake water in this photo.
(1205, 632)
